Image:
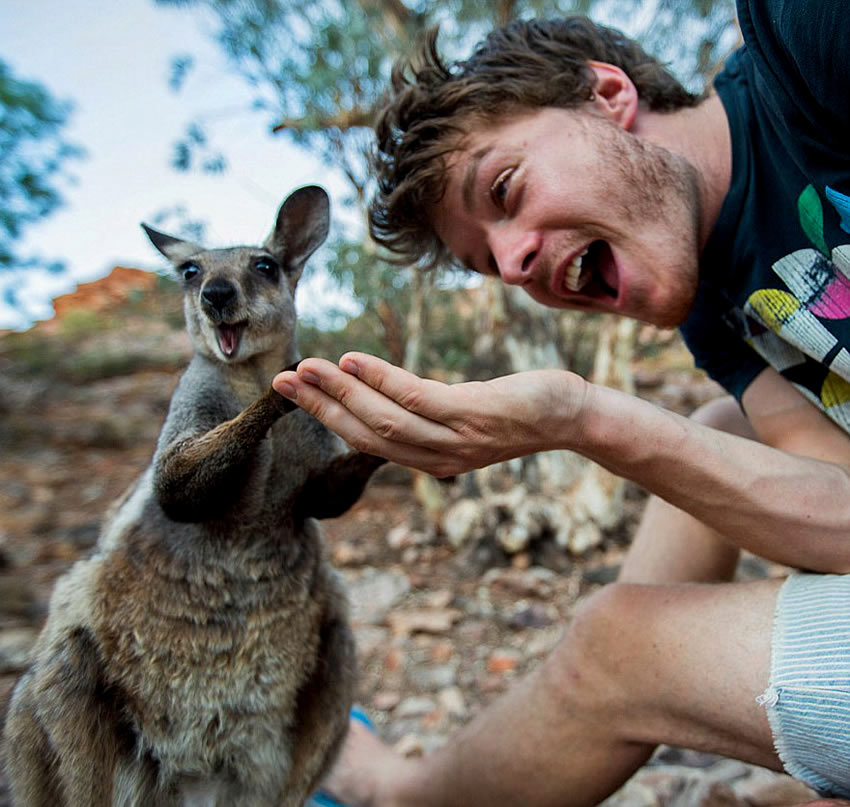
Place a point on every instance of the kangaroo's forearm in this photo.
(330, 492)
(199, 478)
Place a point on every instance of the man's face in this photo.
(577, 211)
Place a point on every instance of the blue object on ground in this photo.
(322, 799)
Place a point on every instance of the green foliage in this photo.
(30, 353)
(318, 69)
(80, 324)
(358, 333)
(33, 160)
(34, 353)
(451, 335)
(451, 330)
(144, 332)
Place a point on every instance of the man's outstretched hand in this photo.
(443, 429)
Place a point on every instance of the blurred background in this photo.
(199, 117)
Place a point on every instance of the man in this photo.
(563, 159)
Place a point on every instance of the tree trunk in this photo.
(555, 496)
(420, 284)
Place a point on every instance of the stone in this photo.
(410, 745)
(533, 582)
(386, 701)
(440, 598)
(452, 701)
(345, 553)
(584, 537)
(425, 620)
(441, 652)
(431, 678)
(503, 660)
(513, 537)
(373, 592)
(16, 649)
(404, 536)
(533, 615)
(369, 639)
(462, 523)
(415, 706)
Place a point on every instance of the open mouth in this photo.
(593, 273)
(229, 337)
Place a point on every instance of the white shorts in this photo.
(808, 699)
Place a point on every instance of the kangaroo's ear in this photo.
(175, 249)
(302, 226)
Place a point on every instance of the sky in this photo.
(111, 59)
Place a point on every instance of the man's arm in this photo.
(784, 419)
(784, 498)
(791, 507)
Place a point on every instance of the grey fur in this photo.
(202, 655)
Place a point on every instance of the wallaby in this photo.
(202, 655)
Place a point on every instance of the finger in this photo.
(358, 434)
(386, 415)
(430, 399)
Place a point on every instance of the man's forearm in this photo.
(789, 508)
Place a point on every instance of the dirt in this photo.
(440, 633)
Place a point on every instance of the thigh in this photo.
(684, 664)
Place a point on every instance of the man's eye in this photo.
(499, 188)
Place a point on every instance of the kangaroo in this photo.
(202, 655)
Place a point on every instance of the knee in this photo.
(590, 670)
(724, 414)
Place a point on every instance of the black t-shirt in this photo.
(775, 274)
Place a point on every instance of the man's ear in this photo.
(615, 94)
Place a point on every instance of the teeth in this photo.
(573, 279)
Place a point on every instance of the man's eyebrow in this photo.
(467, 188)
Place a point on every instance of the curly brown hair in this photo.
(431, 105)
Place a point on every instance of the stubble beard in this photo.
(662, 195)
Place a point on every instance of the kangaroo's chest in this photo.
(210, 671)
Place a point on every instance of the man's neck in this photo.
(700, 134)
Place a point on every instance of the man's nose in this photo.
(514, 254)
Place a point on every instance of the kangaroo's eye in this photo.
(189, 271)
(267, 268)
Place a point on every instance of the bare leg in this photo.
(673, 547)
(623, 681)
(640, 665)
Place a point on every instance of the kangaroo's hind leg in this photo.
(30, 762)
(323, 708)
(66, 733)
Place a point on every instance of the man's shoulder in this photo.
(798, 50)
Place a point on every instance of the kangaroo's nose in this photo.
(218, 294)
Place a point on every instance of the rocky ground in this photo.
(439, 635)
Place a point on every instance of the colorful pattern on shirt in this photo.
(775, 274)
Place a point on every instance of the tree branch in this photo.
(395, 12)
(343, 120)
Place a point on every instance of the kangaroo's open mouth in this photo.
(229, 337)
